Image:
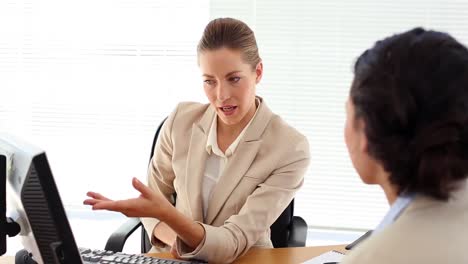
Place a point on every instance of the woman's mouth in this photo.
(228, 109)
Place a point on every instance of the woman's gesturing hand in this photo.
(148, 204)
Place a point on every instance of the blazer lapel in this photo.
(239, 163)
(196, 160)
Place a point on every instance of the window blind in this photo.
(90, 81)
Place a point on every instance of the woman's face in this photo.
(229, 84)
(356, 142)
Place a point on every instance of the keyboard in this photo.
(93, 256)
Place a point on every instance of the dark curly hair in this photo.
(411, 90)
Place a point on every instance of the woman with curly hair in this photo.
(407, 131)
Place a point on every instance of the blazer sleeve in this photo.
(239, 232)
(160, 174)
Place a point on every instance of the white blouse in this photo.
(217, 160)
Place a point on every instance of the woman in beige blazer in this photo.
(407, 130)
(233, 164)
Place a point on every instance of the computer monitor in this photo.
(2, 204)
(34, 201)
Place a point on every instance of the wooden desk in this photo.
(271, 256)
(276, 255)
(7, 260)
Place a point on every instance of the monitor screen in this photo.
(2, 204)
(33, 201)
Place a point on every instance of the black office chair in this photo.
(287, 231)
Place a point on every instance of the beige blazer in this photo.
(428, 231)
(258, 182)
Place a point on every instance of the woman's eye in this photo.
(209, 82)
(234, 79)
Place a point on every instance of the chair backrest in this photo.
(280, 230)
(145, 242)
(155, 139)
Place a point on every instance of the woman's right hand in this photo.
(148, 204)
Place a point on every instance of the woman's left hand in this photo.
(148, 204)
(174, 251)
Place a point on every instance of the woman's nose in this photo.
(223, 93)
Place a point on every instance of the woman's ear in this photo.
(361, 128)
(259, 72)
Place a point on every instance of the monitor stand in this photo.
(24, 257)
